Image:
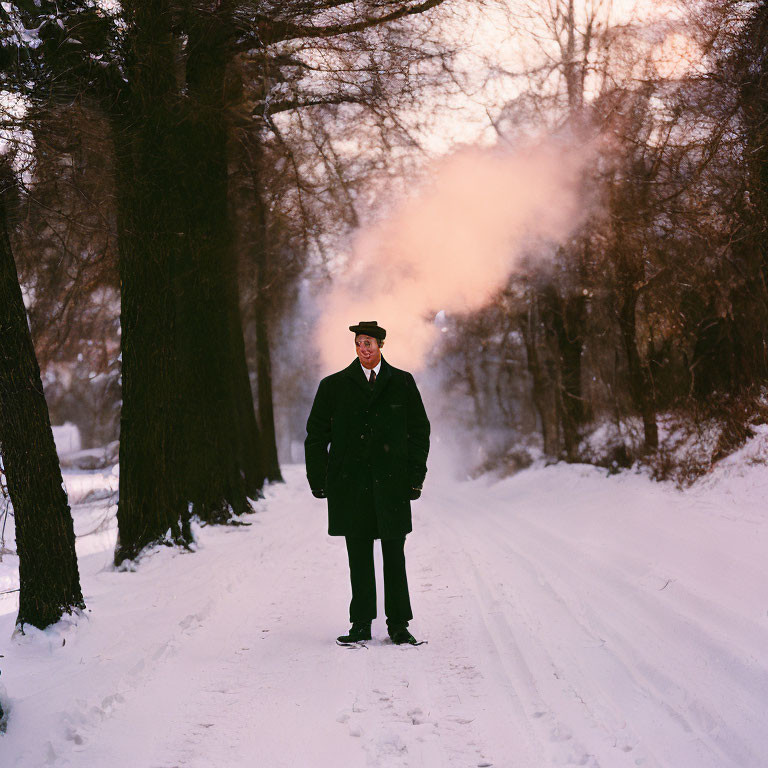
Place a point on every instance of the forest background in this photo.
(567, 200)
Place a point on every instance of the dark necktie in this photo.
(372, 379)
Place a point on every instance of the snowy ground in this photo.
(571, 619)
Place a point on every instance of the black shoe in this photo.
(401, 636)
(357, 634)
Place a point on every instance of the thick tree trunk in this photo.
(183, 417)
(213, 479)
(220, 390)
(152, 502)
(45, 537)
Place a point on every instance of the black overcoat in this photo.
(367, 448)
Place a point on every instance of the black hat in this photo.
(369, 328)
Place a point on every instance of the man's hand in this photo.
(319, 493)
(414, 494)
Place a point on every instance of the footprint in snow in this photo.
(417, 716)
(560, 733)
(72, 735)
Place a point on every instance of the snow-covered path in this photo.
(572, 619)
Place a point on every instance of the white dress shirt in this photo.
(367, 371)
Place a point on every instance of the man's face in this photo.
(368, 351)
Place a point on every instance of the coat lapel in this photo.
(355, 372)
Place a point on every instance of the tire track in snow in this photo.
(581, 607)
(687, 646)
(519, 651)
(501, 713)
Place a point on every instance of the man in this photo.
(371, 416)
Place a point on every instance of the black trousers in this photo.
(397, 603)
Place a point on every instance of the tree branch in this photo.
(271, 31)
(274, 107)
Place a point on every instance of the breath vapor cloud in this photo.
(450, 246)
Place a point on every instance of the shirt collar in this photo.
(367, 371)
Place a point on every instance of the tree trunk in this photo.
(566, 317)
(503, 371)
(474, 392)
(152, 504)
(183, 357)
(750, 252)
(249, 436)
(220, 391)
(266, 404)
(573, 68)
(268, 443)
(544, 374)
(753, 66)
(45, 537)
(640, 382)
